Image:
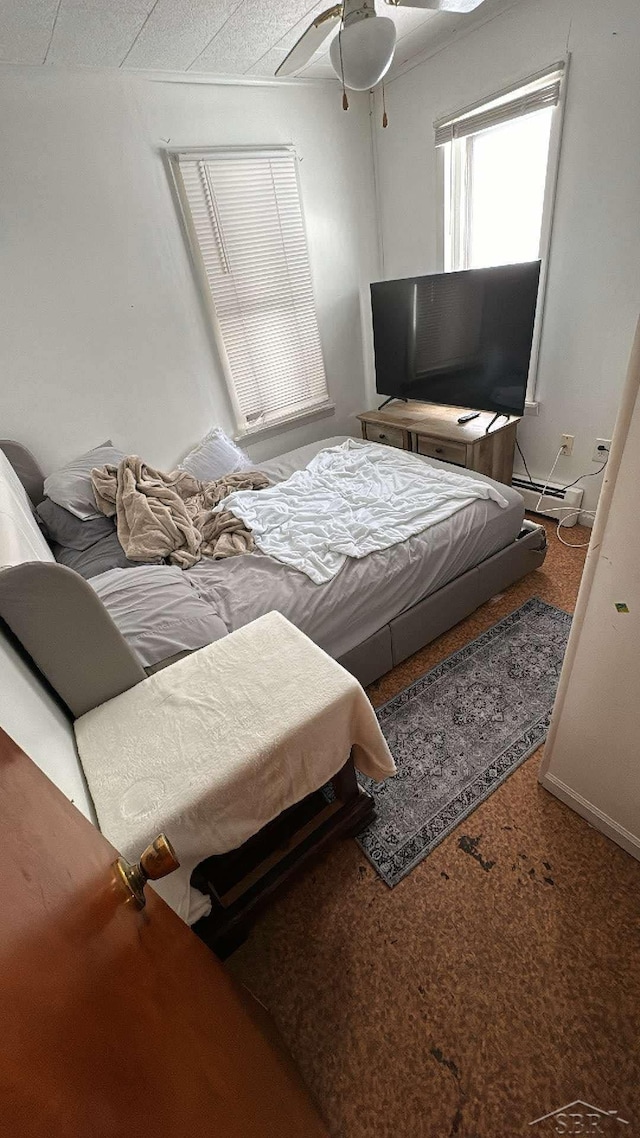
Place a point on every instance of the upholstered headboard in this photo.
(26, 467)
(54, 613)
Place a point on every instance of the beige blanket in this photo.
(214, 747)
(170, 516)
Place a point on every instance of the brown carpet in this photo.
(497, 982)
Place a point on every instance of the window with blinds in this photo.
(245, 221)
(499, 160)
(534, 95)
(496, 160)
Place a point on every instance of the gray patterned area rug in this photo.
(460, 730)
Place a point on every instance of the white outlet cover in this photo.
(601, 455)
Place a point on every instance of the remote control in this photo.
(469, 417)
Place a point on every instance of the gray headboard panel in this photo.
(26, 468)
(60, 621)
(68, 633)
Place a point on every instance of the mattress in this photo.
(364, 596)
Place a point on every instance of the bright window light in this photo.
(499, 161)
(507, 176)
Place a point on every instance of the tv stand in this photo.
(391, 399)
(484, 444)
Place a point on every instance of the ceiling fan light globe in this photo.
(363, 51)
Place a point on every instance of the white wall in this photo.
(592, 757)
(593, 295)
(103, 330)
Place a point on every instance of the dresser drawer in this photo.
(447, 452)
(390, 436)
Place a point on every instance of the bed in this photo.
(94, 624)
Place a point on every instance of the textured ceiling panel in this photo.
(212, 37)
(254, 28)
(175, 34)
(96, 33)
(25, 29)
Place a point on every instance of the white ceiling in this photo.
(210, 37)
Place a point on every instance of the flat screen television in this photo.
(462, 339)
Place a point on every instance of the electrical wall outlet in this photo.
(566, 442)
(601, 450)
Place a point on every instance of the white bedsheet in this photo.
(352, 500)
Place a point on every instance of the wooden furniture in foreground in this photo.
(117, 1020)
(242, 881)
(434, 431)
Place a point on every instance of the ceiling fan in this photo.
(362, 52)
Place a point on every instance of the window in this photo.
(495, 164)
(499, 164)
(244, 216)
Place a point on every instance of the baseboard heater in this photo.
(555, 497)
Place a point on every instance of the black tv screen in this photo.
(461, 339)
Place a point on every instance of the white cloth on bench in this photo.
(218, 744)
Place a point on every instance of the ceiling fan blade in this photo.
(310, 40)
(461, 6)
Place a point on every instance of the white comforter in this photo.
(352, 500)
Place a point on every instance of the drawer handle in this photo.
(438, 450)
(381, 435)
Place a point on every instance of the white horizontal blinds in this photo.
(525, 100)
(247, 219)
(447, 317)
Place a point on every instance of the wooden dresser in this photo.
(434, 431)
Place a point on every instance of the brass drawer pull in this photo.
(158, 860)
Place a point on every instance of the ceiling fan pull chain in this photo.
(345, 101)
(385, 120)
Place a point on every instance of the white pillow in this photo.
(20, 537)
(215, 456)
(71, 488)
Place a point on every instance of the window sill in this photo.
(271, 429)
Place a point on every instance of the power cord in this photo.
(549, 477)
(591, 474)
(568, 510)
(565, 522)
(524, 461)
